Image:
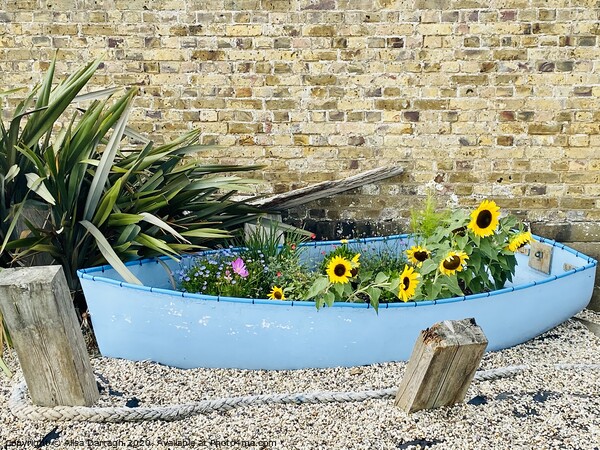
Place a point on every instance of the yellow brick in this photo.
(579, 141)
(432, 41)
(243, 30)
(437, 29)
(319, 30)
(390, 29)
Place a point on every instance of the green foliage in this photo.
(383, 259)
(213, 274)
(465, 253)
(271, 257)
(76, 195)
(342, 251)
(271, 264)
(486, 263)
(424, 222)
(373, 277)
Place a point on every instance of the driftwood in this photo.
(317, 191)
(442, 365)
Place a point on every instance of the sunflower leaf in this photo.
(319, 285)
(381, 278)
(393, 285)
(451, 282)
(319, 302)
(338, 290)
(374, 294)
(428, 266)
(329, 298)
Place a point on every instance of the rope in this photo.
(23, 409)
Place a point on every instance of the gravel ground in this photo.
(541, 408)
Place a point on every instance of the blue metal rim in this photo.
(89, 274)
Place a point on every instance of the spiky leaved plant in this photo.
(75, 194)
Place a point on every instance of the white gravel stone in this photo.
(541, 408)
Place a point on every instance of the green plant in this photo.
(99, 200)
(222, 273)
(342, 276)
(276, 249)
(467, 253)
(464, 253)
(279, 271)
(267, 261)
(424, 222)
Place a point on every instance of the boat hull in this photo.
(189, 330)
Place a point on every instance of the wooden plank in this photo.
(325, 189)
(540, 256)
(442, 365)
(39, 314)
(269, 223)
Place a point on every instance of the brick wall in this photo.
(495, 99)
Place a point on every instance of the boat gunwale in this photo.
(86, 274)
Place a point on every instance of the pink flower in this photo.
(239, 267)
(313, 236)
(278, 274)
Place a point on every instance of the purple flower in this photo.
(239, 267)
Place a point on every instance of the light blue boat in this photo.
(154, 322)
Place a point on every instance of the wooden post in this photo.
(442, 365)
(267, 224)
(41, 319)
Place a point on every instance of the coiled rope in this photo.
(23, 409)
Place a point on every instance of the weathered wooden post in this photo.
(41, 319)
(442, 365)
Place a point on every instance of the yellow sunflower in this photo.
(518, 240)
(484, 220)
(339, 270)
(453, 262)
(276, 293)
(417, 254)
(355, 265)
(409, 279)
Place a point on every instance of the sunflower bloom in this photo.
(276, 293)
(484, 220)
(417, 254)
(518, 240)
(409, 279)
(339, 270)
(355, 264)
(453, 262)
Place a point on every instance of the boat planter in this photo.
(155, 322)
